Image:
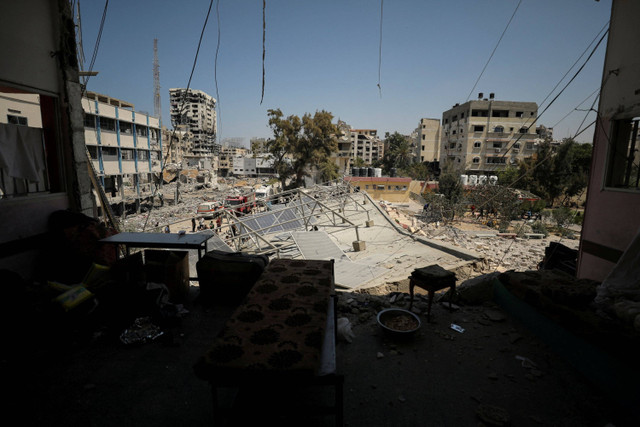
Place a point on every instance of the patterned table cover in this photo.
(280, 325)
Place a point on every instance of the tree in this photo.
(398, 154)
(298, 144)
(328, 171)
(359, 162)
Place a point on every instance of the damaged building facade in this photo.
(194, 111)
(486, 135)
(125, 146)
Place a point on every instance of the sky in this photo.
(332, 54)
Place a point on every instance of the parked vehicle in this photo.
(207, 209)
(240, 203)
(264, 192)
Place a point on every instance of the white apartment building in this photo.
(194, 111)
(428, 140)
(486, 135)
(125, 146)
(366, 145)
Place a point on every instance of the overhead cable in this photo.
(494, 50)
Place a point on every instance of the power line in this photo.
(561, 91)
(95, 48)
(380, 49)
(184, 97)
(494, 51)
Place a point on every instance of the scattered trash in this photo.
(526, 363)
(141, 332)
(344, 330)
(457, 328)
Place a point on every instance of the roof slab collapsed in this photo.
(335, 221)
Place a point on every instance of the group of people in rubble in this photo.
(201, 225)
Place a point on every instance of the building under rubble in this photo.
(194, 111)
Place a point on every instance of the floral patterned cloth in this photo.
(279, 326)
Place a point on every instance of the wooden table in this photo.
(432, 278)
(282, 335)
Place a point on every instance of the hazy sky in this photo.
(325, 55)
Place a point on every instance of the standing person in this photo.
(193, 225)
(201, 224)
(167, 229)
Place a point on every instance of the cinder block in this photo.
(359, 245)
(369, 223)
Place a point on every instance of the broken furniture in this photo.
(227, 277)
(159, 240)
(432, 278)
(281, 337)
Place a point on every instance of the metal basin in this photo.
(398, 322)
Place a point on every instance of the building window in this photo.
(478, 128)
(142, 131)
(107, 124)
(127, 154)
(500, 113)
(519, 113)
(89, 121)
(366, 187)
(480, 113)
(624, 156)
(477, 144)
(126, 127)
(16, 120)
(523, 130)
(497, 145)
(529, 146)
(498, 129)
(424, 137)
(496, 160)
(476, 160)
(93, 151)
(516, 145)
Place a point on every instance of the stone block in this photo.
(359, 245)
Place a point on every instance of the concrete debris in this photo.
(493, 415)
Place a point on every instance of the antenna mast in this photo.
(157, 109)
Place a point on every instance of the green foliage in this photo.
(418, 171)
(449, 182)
(398, 154)
(562, 216)
(300, 143)
(538, 227)
(359, 162)
(328, 171)
(552, 172)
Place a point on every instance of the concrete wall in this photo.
(611, 218)
(30, 32)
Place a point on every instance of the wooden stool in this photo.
(431, 279)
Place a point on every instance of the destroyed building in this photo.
(194, 111)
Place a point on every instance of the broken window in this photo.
(497, 145)
(142, 131)
(523, 130)
(480, 113)
(623, 161)
(127, 154)
(477, 144)
(478, 128)
(126, 127)
(476, 160)
(519, 113)
(500, 113)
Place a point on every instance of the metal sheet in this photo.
(317, 245)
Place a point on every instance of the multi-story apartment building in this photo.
(366, 145)
(486, 135)
(125, 146)
(429, 140)
(225, 159)
(194, 111)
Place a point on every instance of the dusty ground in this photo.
(439, 377)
